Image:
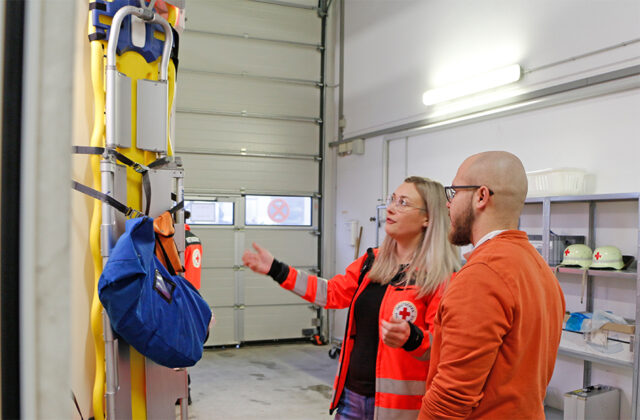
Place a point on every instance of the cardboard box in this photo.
(624, 329)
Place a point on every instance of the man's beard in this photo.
(460, 234)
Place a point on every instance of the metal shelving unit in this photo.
(588, 357)
(609, 361)
(625, 274)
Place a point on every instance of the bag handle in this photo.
(167, 264)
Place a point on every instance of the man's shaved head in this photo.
(503, 173)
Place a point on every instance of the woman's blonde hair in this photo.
(435, 259)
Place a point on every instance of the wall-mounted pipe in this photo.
(612, 82)
(341, 120)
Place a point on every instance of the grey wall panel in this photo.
(263, 290)
(255, 19)
(218, 286)
(204, 52)
(294, 247)
(251, 174)
(217, 246)
(233, 94)
(219, 133)
(273, 322)
(223, 332)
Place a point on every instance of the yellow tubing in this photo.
(97, 139)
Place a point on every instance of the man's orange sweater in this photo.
(497, 332)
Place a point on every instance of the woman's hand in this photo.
(395, 332)
(259, 261)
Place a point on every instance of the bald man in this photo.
(498, 327)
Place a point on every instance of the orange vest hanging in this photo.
(166, 249)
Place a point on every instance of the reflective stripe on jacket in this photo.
(400, 374)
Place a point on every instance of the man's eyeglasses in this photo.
(401, 204)
(450, 191)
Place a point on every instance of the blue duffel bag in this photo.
(160, 315)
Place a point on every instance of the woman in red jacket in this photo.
(384, 358)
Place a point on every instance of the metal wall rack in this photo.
(631, 275)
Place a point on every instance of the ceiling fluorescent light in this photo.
(475, 84)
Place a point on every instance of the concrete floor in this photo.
(274, 381)
(290, 381)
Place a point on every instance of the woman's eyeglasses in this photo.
(401, 204)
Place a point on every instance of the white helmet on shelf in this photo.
(607, 257)
(577, 254)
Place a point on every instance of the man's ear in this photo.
(481, 197)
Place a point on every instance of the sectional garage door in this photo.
(248, 125)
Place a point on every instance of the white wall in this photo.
(45, 221)
(395, 50)
(597, 134)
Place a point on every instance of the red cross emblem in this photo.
(405, 311)
(196, 258)
(597, 256)
(567, 252)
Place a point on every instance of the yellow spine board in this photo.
(134, 66)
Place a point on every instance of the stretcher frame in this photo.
(160, 379)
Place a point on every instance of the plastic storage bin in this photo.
(563, 181)
(596, 402)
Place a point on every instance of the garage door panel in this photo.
(220, 133)
(263, 290)
(218, 286)
(254, 19)
(276, 322)
(246, 125)
(307, 3)
(248, 174)
(298, 248)
(218, 246)
(232, 94)
(223, 332)
(203, 52)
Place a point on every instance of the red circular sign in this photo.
(278, 210)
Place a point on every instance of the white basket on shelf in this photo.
(562, 181)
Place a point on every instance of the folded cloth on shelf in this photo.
(578, 322)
